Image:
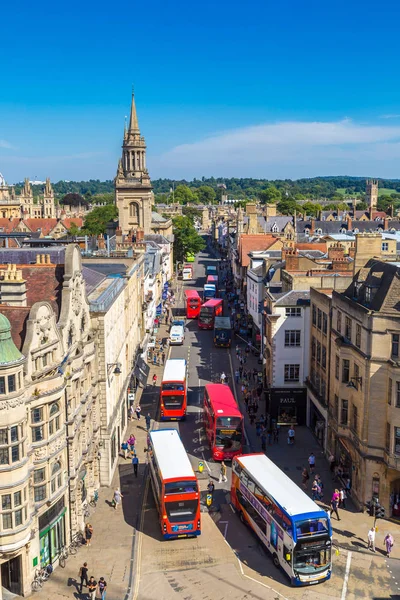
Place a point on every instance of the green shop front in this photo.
(52, 532)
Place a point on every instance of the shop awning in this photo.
(141, 370)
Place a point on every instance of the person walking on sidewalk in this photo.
(389, 543)
(135, 463)
(371, 539)
(222, 473)
(88, 533)
(335, 503)
(304, 478)
(343, 497)
(237, 375)
(276, 434)
(163, 358)
(291, 435)
(102, 588)
(83, 574)
(125, 448)
(92, 587)
(148, 421)
(117, 498)
(132, 442)
(138, 410)
(154, 379)
(311, 462)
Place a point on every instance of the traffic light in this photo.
(379, 512)
(370, 508)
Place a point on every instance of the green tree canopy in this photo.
(288, 206)
(205, 194)
(183, 195)
(270, 195)
(96, 221)
(186, 238)
(191, 212)
(74, 199)
(311, 208)
(74, 230)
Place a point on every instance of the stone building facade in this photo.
(22, 205)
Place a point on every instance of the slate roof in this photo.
(330, 227)
(294, 298)
(280, 222)
(92, 278)
(383, 281)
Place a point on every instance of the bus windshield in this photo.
(180, 487)
(173, 402)
(311, 527)
(181, 511)
(173, 387)
(311, 558)
(228, 433)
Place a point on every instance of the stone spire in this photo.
(133, 121)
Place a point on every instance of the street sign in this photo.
(131, 396)
(159, 309)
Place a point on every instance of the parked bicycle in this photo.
(41, 575)
(95, 498)
(63, 556)
(86, 512)
(77, 541)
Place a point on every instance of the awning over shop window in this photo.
(141, 370)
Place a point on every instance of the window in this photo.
(388, 437)
(13, 451)
(39, 475)
(18, 518)
(319, 352)
(395, 345)
(323, 357)
(37, 415)
(17, 499)
(339, 321)
(385, 246)
(319, 320)
(2, 385)
(40, 493)
(54, 422)
(56, 477)
(314, 315)
(397, 394)
(358, 335)
(7, 521)
(44, 360)
(14, 454)
(397, 440)
(357, 378)
(390, 391)
(293, 311)
(313, 347)
(3, 436)
(355, 418)
(37, 434)
(14, 433)
(337, 366)
(324, 323)
(347, 328)
(345, 370)
(134, 211)
(292, 337)
(11, 383)
(6, 502)
(3, 456)
(344, 413)
(292, 373)
(336, 408)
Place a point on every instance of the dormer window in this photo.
(318, 231)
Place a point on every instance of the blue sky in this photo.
(259, 89)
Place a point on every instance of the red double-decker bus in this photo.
(208, 311)
(223, 422)
(173, 393)
(193, 303)
(174, 484)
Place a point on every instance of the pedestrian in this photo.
(254, 374)
(132, 442)
(163, 358)
(237, 375)
(102, 588)
(371, 539)
(258, 429)
(269, 434)
(222, 473)
(276, 434)
(264, 441)
(148, 421)
(88, 533)
(138, 410)
(321, 486)
(223, 377)
(92, 587)
(315, 490)
(117, 498)
(154, 379)
(246, 401)
(245, 374)
(343, 497)
(291, 435)
(125, 448)
(311, 462)
(332, 464)
(241, 371)
(135, 463)
(335, 503)
(304, 477)
(131, 412)
(389, 542)
(83, 574)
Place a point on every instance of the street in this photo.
(227, 560)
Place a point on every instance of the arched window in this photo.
(54, 418)
(56, 477)
(54, 409)
(134, 211)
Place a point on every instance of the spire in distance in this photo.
(133, 122)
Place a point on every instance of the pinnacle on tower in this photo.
(133, 122)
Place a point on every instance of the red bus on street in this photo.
(173, 393)
(223, 422)
(208, 311)
(174, 485)
(193, 303)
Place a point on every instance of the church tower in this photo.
(48, 205)
(371, 197)
(134, 196)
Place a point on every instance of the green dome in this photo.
(9, 352)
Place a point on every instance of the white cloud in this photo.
(5, 144)
(290, 149)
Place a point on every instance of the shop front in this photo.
(344, 463)
(287, 406)
(317, 420)
(52, 532)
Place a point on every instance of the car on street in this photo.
(177, 335)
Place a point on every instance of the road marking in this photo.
(346, 577)
(139, 545)
(259, 582)
(226, 523)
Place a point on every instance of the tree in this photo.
(74, 199)
(186, 238)
(288, 206)
(205, 194)
(74, 230)
(191, 212)
(96, 221)
(361, 206)
(270, 195)
(183, 195)
(311, 208)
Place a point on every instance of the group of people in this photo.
(388, 542)
(94, 587)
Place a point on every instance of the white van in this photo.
(176, 335)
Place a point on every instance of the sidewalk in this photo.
(111, 552)
(351, 531)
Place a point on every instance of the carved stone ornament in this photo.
(11, 403)
(40, 452)
(77, 296)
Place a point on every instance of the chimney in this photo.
(12, 287)
(368, 245)
(352, 250)
(349, 223)
(101, 242)
(291, 259)
(385, 224)
(335, 251)
(140, 235)
(251, 212)
(341, 264)
(312, 230)
(391, 211)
